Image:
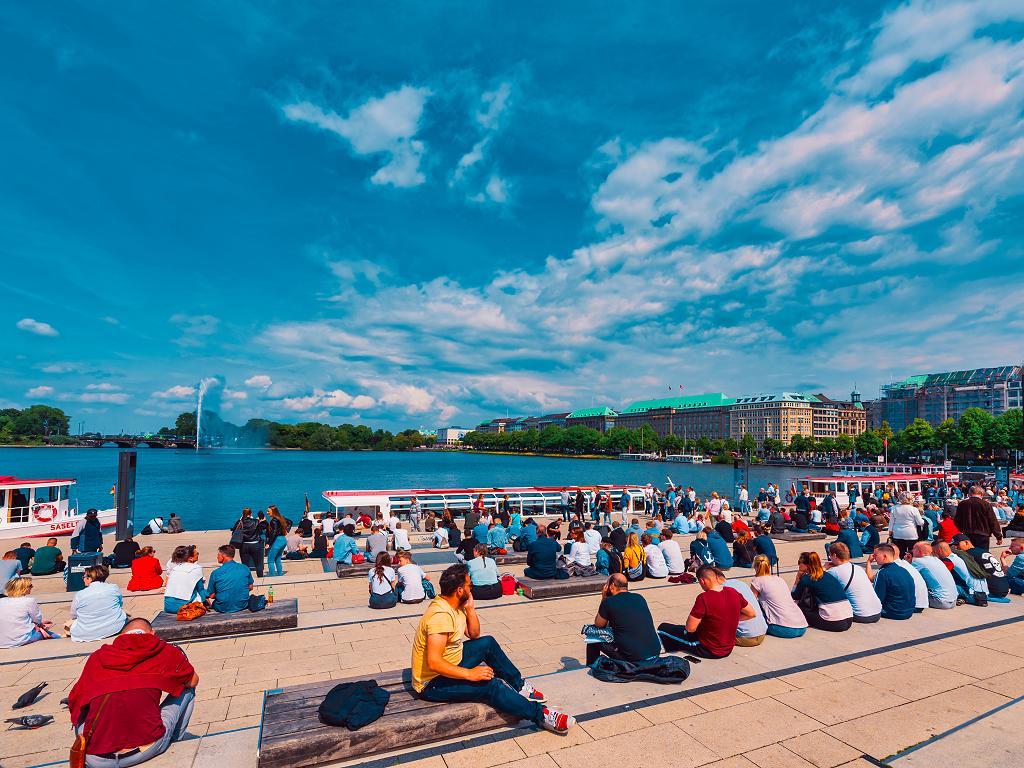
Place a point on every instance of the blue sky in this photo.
(404, 217)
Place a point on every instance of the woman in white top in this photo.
(903, 521)
(441, 537)
(578, 561)
(401, 538)
(383, 580)
(184, 579)
(21, 621)
(410, 579)
(784, 617)
(657, 568)
(672, 554)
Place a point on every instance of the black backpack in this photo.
(615, 564)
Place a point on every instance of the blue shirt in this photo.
(97, 612)
(655, 534)
(497, 537)
(849, 538)
(344, 547)
(720, 550)
(8, 570)
(757, 626)
(941, 586)
(895, 589)
(529, 534)
(230, 584)
(765, 546)
(542, 557)
(480, 533)
(680, 525)
(1017, 566)
(603, 562)
(483, 571)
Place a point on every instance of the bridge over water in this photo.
(134, 441)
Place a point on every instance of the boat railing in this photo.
(17, 515)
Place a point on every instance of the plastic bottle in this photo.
(270, 595)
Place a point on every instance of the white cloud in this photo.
(103, 387)
(37, 327)
(61, 368)
(386, 125)
(471, 169)
(333, 399)
(40, 391)
(235, 394)
(116, 398)
(195, 329)
(259, 381)
(177, 392)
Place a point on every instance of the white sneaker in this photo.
(558, 722)
(532, 693)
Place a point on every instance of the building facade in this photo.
(602, 419)
(689, 417)
(779, 417)
(450, 435)
(936, 397)
(831, 418)
(496, 425)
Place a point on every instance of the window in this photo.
(17, 505)
(46, 494)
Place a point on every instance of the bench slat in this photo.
(395, 680)
(579, 585)
(282, 614)
(307, 718)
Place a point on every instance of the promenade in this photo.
(944, 685)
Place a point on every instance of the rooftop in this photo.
(791, 397)
(680, 402)
(586, 413)
(958, 378)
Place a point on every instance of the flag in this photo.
(680, 387)
(113, 490)
(307, 503)
(885, 441)
(669, 387)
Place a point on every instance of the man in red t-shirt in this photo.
(710, 629)
(117, 703)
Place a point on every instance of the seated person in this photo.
(634, 558)
(363, 521)
(998, 586)
(764, 545)
(555, 530)
(146, 571)
(124, 553)
(497, 539)
(345, 546)
(947, 527)
(608, 560)
(481, 532)
(410, 579)
(655, 565)
(1013, 564)
(700, 552)
(719, 550)
(1016, 523)
(724, 530)
(776, 521)
(867, 608)
(578, 560)
(970, 587)
(48, 559)
(672, 554)
(593, 536)
(441, 537)
(319, 542)
(293, 548)
(382, 582)
(174, 525)
(230, 583)
(466, 550)
(542, 558)
(376, 542)
(869, 537)
(454, 535)
(617, 536)
(123, 718)
(448, 667)
(184, 579)
(10, 566)
(710, 629)
(154, 526)
(305, 526)
(937, 578)
(743, 550)
(821, 597)
(483, 575)
(21, 621)
(629, 618)
(739, 526)
(654, 532)
(849, 539)
(750, 632)
(801, 521)
(893, 585)
(920, 586)
(782, 615)
(401, 538)
(24, 553)
(96, 611)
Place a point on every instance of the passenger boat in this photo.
(872, 468)
(531, 500)
(41, 508)
(865, 485)
(639, 457)
(688, 458)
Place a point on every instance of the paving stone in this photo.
(759, 723)
(776, 756)
(916, 680)
(820, 749)
(611, 725)
(670, 711)
(492, 752)
(839, 700)
(660, 745)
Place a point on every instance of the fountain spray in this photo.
(204, 387)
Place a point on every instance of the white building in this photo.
(450, 435)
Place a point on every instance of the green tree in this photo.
(997, 436)
(748, 445)
(971, 429)
(40, 421)
(773, 446)
(917, 438)
(845, 444)
(868, 443)
(1014, 421)
(185, 424)
(947, 436)
(885, 431)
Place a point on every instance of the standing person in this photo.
(784, 618)
(184, 579)
(483, 575)
(88, 535)
(230, 583)
(710, 629)
(251, 548)
(48, 559)
(116, 702)
(629, 618)
(976, 518)
(893, 585)
(146, 571)
(867, 608)
(382, 582)
(448, 667)
(904, 520)
(278, 528)
(21, 621)
(941, 586)
(822, 600)
(415, 513)
(98, 610)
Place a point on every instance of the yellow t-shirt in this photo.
(439, 619)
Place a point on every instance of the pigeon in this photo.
(28, 697)
(28, 722)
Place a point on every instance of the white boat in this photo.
(639, 457)
(688, 458)
(41, 508)
(865, 485)
(531, 500)
(872, 468)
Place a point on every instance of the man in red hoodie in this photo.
(117, 699)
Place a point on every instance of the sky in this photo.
(406, 215)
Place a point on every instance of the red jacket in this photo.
(146, 572)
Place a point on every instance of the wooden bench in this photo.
(291, 733)
(577, 585)
(346, 571)
(281, 614)
(512, 558)
(793, 536)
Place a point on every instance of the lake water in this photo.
(208, 490)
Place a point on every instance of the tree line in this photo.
(977, 434)
(35, 424)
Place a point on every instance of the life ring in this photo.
(789, 498)
(44, 513)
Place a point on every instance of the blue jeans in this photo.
(274, 556)
(501, 692)
(175, 711)
(777, 630)
(172, 604)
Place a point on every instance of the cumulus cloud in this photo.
(115, 398)
(336, 399)
(37, 327)
(472, 169)
(40, 391)
(386, 125)
(102, 387)
(177, 392)
(195, 329)
(259, 381)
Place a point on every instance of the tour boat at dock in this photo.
(688, 458)
(639, 457)
(531, 500)
(41, 508)
(871, 468)
(865, 485)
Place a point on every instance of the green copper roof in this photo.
(589, 412)
(709, 400)
(791, 397)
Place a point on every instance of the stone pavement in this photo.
(945, 682)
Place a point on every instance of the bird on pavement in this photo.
(28, 722)
(28, 697)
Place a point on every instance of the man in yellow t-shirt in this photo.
(451, 662)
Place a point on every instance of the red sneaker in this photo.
(558, 722)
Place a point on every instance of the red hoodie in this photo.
(135, 669)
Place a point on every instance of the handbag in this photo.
(76, 758)
(236, 536)
(191, 611)
(428, 589)
(257, 603)
(358, 558)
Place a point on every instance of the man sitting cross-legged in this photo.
(627, 615)
(710, 629)
(448, 667)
